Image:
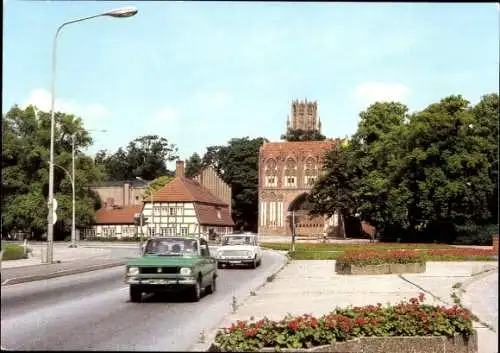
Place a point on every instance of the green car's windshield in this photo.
(171, 247)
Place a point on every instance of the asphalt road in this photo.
(92, 311)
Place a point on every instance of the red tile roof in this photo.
(182, 189)
(117, 215)
(298, 146)
(208, 215)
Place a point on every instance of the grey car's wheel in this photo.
(135, 294)
(259, 262)
(196, 291)
(254, 264)
(213, 286)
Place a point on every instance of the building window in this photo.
(290, 173)
(109, 232)
(171, 211)
(89, 233)
(180, 211)
(310, 172)
(167, 231)
(289, 181)
(164, 211)
(151, 232)
(309, 180)
(184, 231)
(271, 171)
(156, 210)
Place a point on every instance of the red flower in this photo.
(421, 297)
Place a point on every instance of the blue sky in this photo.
(200, 73)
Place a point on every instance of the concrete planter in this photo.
(419, 344)
(343, 268)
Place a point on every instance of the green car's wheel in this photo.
(196, 291)
(135, 294)
(212, 287)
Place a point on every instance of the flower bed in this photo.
(357, 329)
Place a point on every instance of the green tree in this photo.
(156, 185)
(145, 156)
(25, 157)
(303, 135)
(193, 165)
(447, 168)
(237, 164)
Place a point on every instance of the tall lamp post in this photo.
(151, 199)
(152, 211)
(118, 13)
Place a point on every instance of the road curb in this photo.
(62, 273)
(463, 289)
(210, 337)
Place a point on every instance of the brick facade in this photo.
(287, 170)
(495, 242)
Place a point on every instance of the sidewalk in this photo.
(68, 261)
(313, 287)
(61, 253)
(481, 296)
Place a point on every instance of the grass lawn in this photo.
(430, 252)
(346, 247)
(13, 252)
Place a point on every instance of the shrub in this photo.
(373, 257)
(412, 318)
(13, 252)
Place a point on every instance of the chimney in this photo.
(179, 169)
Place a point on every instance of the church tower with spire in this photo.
(304, 116)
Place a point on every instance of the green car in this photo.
(172, 264)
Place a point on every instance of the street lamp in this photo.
(122, 12)
(151, 198)
(152, 210)
(73, 179)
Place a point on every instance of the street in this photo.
(92, 311)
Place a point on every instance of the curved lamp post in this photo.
(141, 240)
(118, 13)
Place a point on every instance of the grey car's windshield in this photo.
(171, 247)
(237, 240)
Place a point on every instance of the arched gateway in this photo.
(305, 225)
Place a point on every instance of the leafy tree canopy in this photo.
(144, 157)
(237, 164)
(431, 173)
(25, 159)
(193, 165)
(303, 135)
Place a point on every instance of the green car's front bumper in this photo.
(161, 284)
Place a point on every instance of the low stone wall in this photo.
(343, 268)
(431, 344)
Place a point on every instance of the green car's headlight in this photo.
(185, 271)
(132, 271)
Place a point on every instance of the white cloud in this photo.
(216, 99)
(371, 92)
(166, 115)
(41, 98)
